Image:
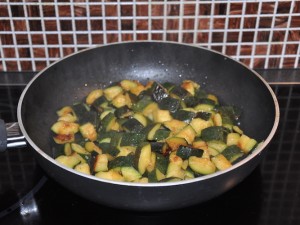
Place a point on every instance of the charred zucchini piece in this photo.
(185, 152)
(190, 86)
(64, 138)
(158, 92)
(175, 142)
(62, 127)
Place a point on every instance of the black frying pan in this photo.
(74, 76)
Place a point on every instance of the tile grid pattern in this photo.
(260, 34)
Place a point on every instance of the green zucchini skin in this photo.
(215, 133)
(158, 92)
(150, 133)
(185, 152)
(183, 115)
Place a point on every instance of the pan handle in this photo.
(10, 136)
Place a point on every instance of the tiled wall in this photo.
(261, 34)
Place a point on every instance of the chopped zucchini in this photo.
(199, 124)
(184, 115)
(132, 139)
(127, 85)
(64, 138)
(175, 142)
(185, 152)
(232, 153)
(93, 95)
(214, 133)
(155, 132)
(188, 133)
(101, 163)
(160, 116)
(132, 125)
(62, 127)
(217, 145)
(111, 92)
(221, 162)
(202, 165)
(158, 92)
(121, 161)
(88, 131)
(170, 104)
(174, 125)
(69, 161)
(233, 139)
(246, 143)
(110, 175)
(67, 149)
(174, 169)
(79, 149)
(83, 168)
(143, 157)
(130, 174)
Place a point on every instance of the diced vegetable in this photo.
(155, 132)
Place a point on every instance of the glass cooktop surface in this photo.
(269, 195)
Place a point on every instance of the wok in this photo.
(73, 77)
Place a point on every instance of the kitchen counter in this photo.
(269, 195)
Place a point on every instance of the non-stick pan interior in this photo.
(73, 77)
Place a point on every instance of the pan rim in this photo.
(257, 151)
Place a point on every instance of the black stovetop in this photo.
(270, 195)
